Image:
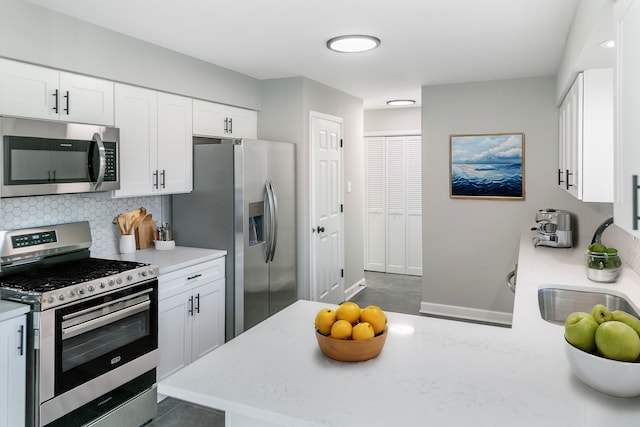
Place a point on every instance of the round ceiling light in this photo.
(400, 102)
(353, 43)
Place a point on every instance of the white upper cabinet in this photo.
(586, 150)
(155, 142)
(42, 93)
(627, 158)
(217, 120)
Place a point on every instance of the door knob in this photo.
(320, 229)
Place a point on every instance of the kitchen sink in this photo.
(556, 304)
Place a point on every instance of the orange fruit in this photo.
(375, 317)
(362, 331)
(325, 318)
(341, 330)
(349, 311)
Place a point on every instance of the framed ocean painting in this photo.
(487, 166)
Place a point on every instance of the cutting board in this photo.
(146, 233)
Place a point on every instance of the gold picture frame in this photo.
(487, 166)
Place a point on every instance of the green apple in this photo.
(627, 318)
(618, 341)
(601, 313)
(580, 330)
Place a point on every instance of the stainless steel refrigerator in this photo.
(243, 201)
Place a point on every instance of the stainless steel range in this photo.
(92, 336)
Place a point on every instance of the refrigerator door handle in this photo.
(274, 220)
(268, 227)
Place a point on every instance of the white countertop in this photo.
(171, 260)
(10, 309)
(443, 372)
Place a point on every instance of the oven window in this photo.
(90, 345)
(101, 334)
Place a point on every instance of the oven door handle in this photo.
(90, 325)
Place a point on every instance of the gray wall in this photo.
(469, 246)
(32, 34)
(392, 121)
(286, 104)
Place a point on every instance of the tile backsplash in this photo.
(24, 212)
(627, 245)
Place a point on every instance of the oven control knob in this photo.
(51, 300)
(119, 280)
(80, 291)
(61, 297)
(130, 277)
(72, 293)
(111, 282)
(102, 285)
(144, 274)
(91, 288)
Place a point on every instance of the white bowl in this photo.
(612, 377)
(164, 245)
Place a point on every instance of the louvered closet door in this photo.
(396, 205)
(375, 221)
(413, 179)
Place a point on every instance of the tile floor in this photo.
(392, 292)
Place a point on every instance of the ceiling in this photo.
(424, 42)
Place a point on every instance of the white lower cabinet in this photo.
(190, 314)
(12, 371)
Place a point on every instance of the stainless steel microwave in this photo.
(45, 157)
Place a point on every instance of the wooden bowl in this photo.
(351, 350)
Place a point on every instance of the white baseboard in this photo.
(355, 289)
(466, 313)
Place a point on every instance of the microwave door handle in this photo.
(103, 161)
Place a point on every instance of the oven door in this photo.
(99, 335)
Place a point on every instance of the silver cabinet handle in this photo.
(21, 344)
(198, 303)
(190, 306)
(55, 105)
(163, 175)
(567, 185)
(155, 179)
(67, 107)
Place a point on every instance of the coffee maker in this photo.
(553, 228)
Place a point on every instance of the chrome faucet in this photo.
(597, 236)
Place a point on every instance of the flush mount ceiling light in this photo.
(400, 102)
(353, 43)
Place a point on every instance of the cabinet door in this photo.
(27, 90)
(573, 138)
(136, 116)
(242, 123)
(175, 143)
(208, 118)
(217, 120)
(12, 372)
(208, 318)
(84, 99)
(174, 334)
(413, 179)
(627, 124)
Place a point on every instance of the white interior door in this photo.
(393, 200)
(374, 235)
(326, 206)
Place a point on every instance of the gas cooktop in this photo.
(50, 266)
